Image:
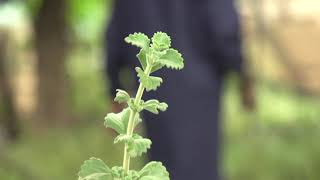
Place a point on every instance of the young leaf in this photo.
(119, 121)
(156, 67)
(142, 56)
(172, 59)
(152, 83)
(138, 39)
(95, 169)
(122, 138)
(161, 41)
(121, 96)
(154, 105)
(118, 173)
(135, 107)
(149, 82)
(138, 145)
(137, 120)
(154, 171)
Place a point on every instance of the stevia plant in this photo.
(154, 54)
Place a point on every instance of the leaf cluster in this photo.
(96, 169)
(154, 54)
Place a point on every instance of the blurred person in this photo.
(186, 137)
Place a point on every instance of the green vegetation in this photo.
(255, 146)
(153, 56)
(278, 141)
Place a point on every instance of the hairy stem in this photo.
(132, 118)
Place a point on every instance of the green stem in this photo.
(133, 114)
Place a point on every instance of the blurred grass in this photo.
(88, 84)
(59, 153)
(276, 142)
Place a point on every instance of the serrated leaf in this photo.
(137, 120)
(122, 138)
(135, 107)
(118, 173)
(156, 67)
(154, 106)
(138, 39)
(121, 96)
(142, 56)
(172, 59)
(118, 121)
(161, 41)
(149, 82)
(144, 60)
(152, 83)
(95, 169)
(154, 171)
(138, 145)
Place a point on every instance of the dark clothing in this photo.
(207, 33)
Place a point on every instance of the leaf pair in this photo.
(96, 169)
(149, 56)
(119, 121)
(154, 106)
(159, 51)
(149, 82)
(160, 40)
(122, 96)
(136, 144)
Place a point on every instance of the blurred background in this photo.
(53, 91)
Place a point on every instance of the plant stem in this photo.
(133, 114)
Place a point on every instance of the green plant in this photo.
(154, 54)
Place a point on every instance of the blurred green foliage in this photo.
(58, 154)
(88, 84)
(255, 147)
(279, 141)
(276, 142)
(88, 18)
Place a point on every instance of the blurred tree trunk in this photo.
(269, 35)
(51, 46)
(284, 11)
(258, 13)
(8, 113)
